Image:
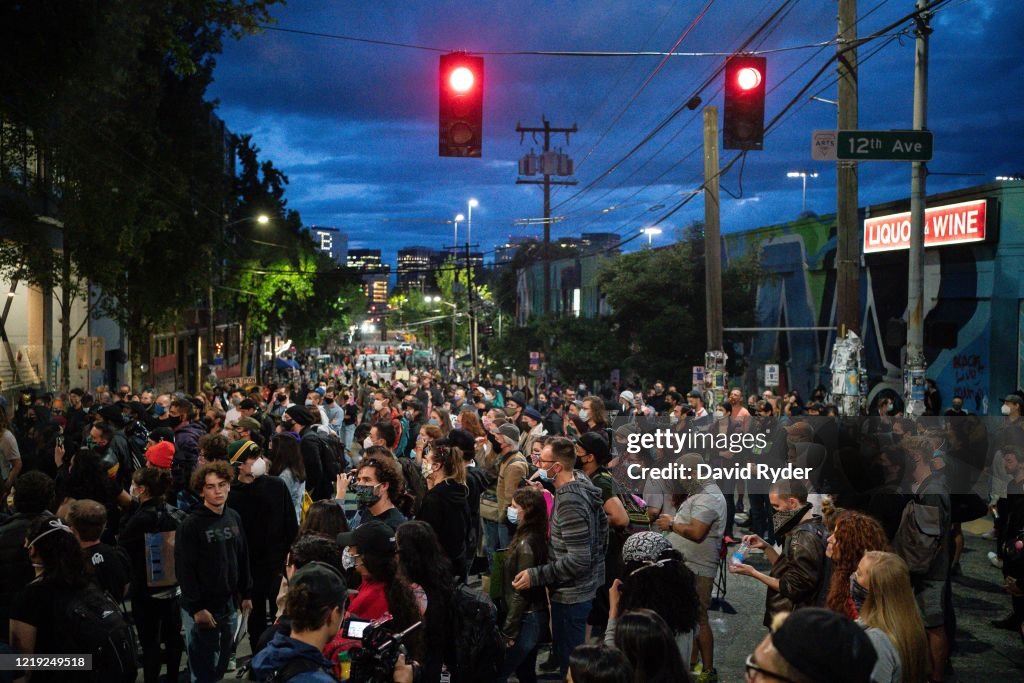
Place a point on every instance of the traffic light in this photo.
(461, 95)
(743, 121)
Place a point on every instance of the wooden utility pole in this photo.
(712, 245)
(547, 183)
(847, 219)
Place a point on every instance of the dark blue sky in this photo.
(354, 125)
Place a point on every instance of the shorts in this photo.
(931, 600)
(704, 585)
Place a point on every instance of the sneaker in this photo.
(741, 519)
(990, 534)
(709, 676)
(994, 559)
(232, 664)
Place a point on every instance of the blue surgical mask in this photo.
(434, 422)
(543, 474)
(159, 410)
(512, 514)
(584, 415)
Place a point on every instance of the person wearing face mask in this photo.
(881, 583)
(579, 537)
(377, 478)
(445, 506)
(110, 565)
(315, 453)
(154, 598)
(383, 412)
(797, 572)
(186, 441)
(33, 495)
(312, 403)
(527, 610)
(268, 521)
(855, 533)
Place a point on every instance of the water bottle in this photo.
(741, 553)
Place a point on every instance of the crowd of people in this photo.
(478, 525)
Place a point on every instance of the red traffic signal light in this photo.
(461, 106)
(743, 120)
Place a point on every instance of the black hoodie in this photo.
(446, 510)
(211, 560)
(268, 518)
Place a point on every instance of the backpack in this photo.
(474, 624)
(919, 537)
(159, 553)
(294, 668)
(94, 624)
(403, 438)
(332, 456)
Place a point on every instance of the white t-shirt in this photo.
(708, 506)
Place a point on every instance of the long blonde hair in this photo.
(891, 608)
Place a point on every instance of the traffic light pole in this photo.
(712, 243)
(915, 362)
(547, 183)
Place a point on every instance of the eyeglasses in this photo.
(547, 462)
(752, 669)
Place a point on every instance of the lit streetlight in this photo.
(1010, 178)
(650, 232)
(469, 223)
(804, 175)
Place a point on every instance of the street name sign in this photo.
(887, 145)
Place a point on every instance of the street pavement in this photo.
(981, 652)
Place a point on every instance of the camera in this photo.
(375, 659)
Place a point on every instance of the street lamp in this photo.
(469, 223)
(650, 232)
(804, 175)
(455, 239)
(1010, 178)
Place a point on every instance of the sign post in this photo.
(888, 145)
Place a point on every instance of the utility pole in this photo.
(470, 308)
(547, 183)
(847, 223)
(712, 246)
(914, 374)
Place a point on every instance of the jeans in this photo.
(348, 432)
(158, 621)
(210, 649)
(264, 608)
(568, 630)
(495, 538)
(761, 516)
(521, 658)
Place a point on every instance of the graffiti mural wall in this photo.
(974, 334)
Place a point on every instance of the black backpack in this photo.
(94, 624)
(294, 668)
(474, 624)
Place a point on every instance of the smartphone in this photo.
(353, 628)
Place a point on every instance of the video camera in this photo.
(374, 661)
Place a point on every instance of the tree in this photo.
(658, 301)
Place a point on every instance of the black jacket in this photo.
(268, 518)
(446, 510)
(211, 560)
(15, 568)
(149, 517)
(315, 452)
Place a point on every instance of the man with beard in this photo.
(797, 573)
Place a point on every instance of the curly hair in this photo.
(668, 588)
(855, 533)
(387, 471)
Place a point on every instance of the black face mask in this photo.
(174, 421)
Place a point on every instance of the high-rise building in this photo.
(415, 269)
(593, 242)
(375, 286)
(504, 253)
(364, 260)
(332, 242)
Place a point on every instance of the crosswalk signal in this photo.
(461, 95)
(743, 120)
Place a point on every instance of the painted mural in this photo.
(974, 302)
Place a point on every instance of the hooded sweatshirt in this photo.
(268, 519)
(445, 508)
(211, 560)
(283, 650)
(579, 540)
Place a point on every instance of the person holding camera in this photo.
(315, 605)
